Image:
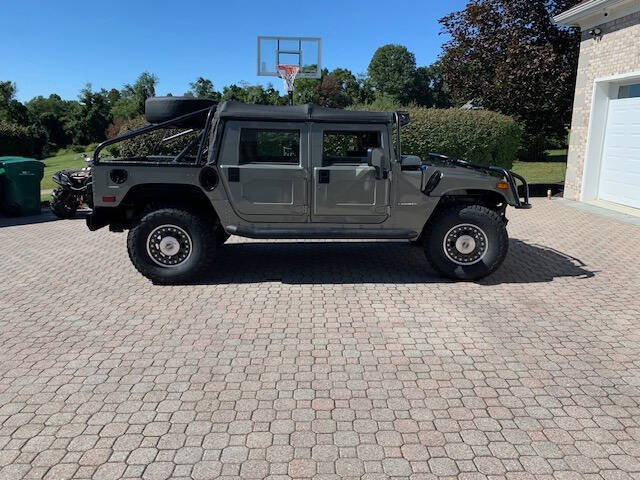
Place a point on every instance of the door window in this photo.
(269, 146)
(348, 147)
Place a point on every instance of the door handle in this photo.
(233, 174)
(323, 176)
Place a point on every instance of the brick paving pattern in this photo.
(323, 359)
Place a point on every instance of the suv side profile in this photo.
(295, 172)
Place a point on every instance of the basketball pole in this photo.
(291, 97)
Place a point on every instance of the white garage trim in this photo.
(604, 89)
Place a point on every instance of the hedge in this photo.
(477, 136)
(22, 141)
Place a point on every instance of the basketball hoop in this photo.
(288, 73)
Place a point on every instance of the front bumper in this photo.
(513, 186)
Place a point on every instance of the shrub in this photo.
(477, 136)
(24, 141)
(483, 137)
(114, 128)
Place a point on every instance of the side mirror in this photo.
(410, 162)
(377, 159)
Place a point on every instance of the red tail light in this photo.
(109, 199)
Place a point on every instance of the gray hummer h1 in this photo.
(294, 172)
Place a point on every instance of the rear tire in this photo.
(162, 109)
(63, 204)
(172, 246)
(466, 242)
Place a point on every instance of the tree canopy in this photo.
(132, 97)
(203, 88)
(392, 72)
(509, 55)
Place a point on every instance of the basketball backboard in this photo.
(304, 52)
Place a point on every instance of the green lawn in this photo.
(60, 162)
(541, 172)
(557, 155)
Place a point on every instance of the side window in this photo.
(259, 145)
(348, 147)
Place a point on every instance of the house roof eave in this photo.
(584, 12)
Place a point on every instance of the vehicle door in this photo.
(264, 170)
(344, 185)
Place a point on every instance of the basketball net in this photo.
(288, 73)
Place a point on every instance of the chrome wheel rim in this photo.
(169, 246)
(465, 244)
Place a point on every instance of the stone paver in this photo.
(326, 359)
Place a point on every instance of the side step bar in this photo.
(320, 233)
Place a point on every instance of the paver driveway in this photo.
(325, 359)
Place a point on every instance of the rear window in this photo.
(259, 145)
(348, 147)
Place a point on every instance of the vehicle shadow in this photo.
(44, 217)
(385, 262)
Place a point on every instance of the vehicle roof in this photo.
(299, 113)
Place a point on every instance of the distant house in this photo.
(604, 150)
(475, 104)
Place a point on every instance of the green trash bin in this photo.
(20, 185)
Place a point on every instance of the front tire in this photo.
(63, 203)
(172, 246)
(466, 242)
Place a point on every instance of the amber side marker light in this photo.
(502, 185)
(109, 199)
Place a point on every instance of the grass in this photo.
(541, 172)
(557, 155)
(60, 162)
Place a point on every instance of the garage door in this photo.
(620, 173)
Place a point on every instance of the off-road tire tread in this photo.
(208, 240)
(460, 211)
(54, 204)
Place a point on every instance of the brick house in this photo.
(604, 149)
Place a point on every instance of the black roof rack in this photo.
(299, 113)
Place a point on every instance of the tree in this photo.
(305, 90)
(367, 93)
(392, 72)
(11, 110)
(430, 89)
(89, 117)
(349, 84)
(331, 94)
(510, 55)
(113, 96)
(132, 97)
(256, 94)
(52, 114)
(203, 88)
(337, 89)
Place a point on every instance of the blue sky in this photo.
(59, 45)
